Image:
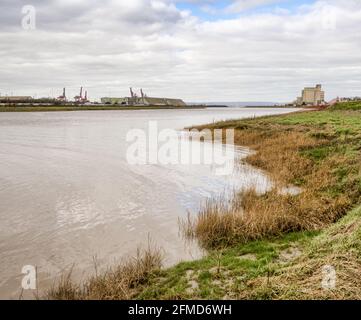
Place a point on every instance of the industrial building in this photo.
(311, 96)
(120, 101)
(15, 99)
(143, 100)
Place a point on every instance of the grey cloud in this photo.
(152, 44)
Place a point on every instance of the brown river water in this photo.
(68, 194)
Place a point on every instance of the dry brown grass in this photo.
(303, 281)
(214, 226)
(123, 282)
(253, 216)
(338, 247)
(261, 216)
(278, 152)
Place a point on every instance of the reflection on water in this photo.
(67, 193)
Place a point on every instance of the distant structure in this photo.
(143, 100)
(15, 99)
(80, 98)
(311, 96)
(62, 98)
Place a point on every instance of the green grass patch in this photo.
(223, 271)
(318, 154)
(356, 105)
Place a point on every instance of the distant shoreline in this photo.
(268, 107)
(60, 108)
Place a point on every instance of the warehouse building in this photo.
(143, 100)
(15, 99)
(146, 101)
(121, 101)
(163, 102)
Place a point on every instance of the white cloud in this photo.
(152, 44)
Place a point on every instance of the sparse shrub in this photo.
(117, 283)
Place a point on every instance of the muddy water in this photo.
(67, 193)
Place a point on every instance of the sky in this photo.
(228, 50)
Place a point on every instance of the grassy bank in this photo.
(87, 108)
(279, 245)
(317, 151)
(291, 266)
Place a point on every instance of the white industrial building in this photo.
(311, 96)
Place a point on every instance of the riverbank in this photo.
(89, 108)
(275, 245)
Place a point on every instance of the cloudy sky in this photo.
(229, 50)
